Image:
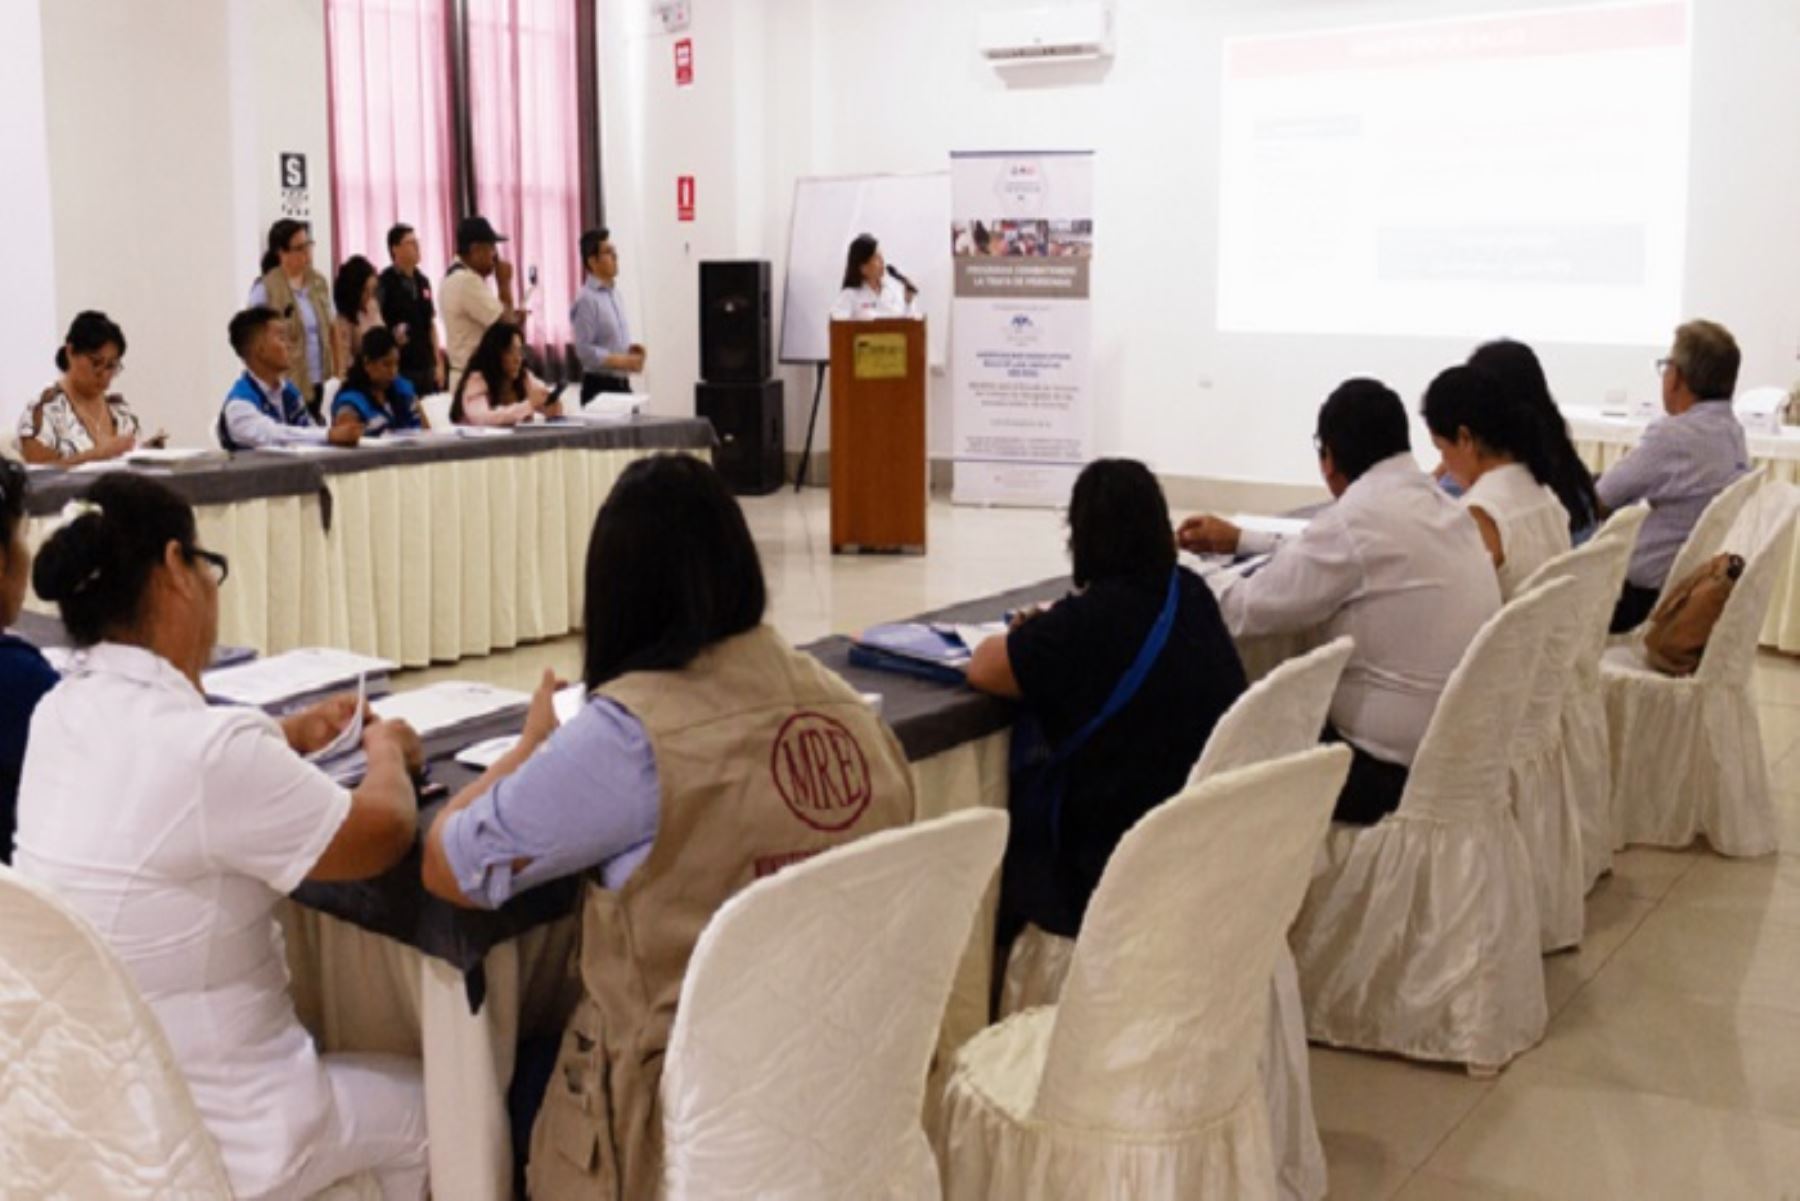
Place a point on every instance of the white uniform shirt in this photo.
(863, 303)
(468, 306)
(175, 828)
(1398, 566)
(1533, 525)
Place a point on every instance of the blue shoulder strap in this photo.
(1135, 675)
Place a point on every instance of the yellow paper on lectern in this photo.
(879, 356)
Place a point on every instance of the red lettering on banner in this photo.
(684, 63)
(820, 771)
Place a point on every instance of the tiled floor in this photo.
(1672, 1064)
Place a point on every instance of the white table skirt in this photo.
(423, 563)
(1603, 441)
(358, 991)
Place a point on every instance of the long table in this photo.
(1603, 439)
(417, 550)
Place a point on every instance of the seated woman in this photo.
(498, 389)
(374, 389)
(175, 828)
(76, 420)
(1492, 448)
(356, 310)
(709, 753)
(1066, 662)
(25, 675)
(1516, 369)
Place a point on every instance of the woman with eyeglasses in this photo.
(302, 298)
(176, 827)
(77, 420)
(25, 675)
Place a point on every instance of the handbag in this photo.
(1682, 624)
(1039, 783)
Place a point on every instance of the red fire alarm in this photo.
(684, 197)
(684, 63)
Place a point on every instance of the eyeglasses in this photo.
(105, 366)
(217, 563)
(1318, 446)
(297, 247)
(1663, 365)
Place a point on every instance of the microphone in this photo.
(895, 272)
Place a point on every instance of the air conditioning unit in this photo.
(1051, 34)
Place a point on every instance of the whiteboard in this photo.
(908, 214)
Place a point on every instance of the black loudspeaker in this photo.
(751, 423)
(735, 343)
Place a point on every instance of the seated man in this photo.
(1683, 461)
(1395, 563)
(264, 408)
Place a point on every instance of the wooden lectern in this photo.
(878, 469)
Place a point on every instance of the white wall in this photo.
(163, 136)
(859, 87)
(28, 335)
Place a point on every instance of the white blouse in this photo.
(1533, 525)
(176, 828)
(864, 303)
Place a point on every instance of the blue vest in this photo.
(292, 411)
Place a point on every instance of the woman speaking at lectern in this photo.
(872, 289)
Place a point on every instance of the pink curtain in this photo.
(393, 140)
(525, 139)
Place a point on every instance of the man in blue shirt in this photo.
(264, 408)
(602, 336)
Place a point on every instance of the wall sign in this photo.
(675, 15)
(296, 199)
(684, 63)
(684, 197)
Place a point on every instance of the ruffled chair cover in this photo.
(796, 1067)
(1419, 934)
(1687, 754)
(91, 1101)
(1281, 714)
(1587, 753)
(1549, 815)
(1141, 1081)
(1709, 535)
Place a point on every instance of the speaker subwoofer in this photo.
(751, 423)
(735, 342)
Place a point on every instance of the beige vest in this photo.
(281, 299)
(765, 758)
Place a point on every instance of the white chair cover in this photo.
(91, 1101)
(1281, 714)
(436, 409)
(1549, 815)
(1419, 934)
(1140, 1083)
(1587, 754)
(796, 1066)
(1687, 754)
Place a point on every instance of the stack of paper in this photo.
(455, 706)
(343, 758)
(290, 681)
(175, 456)
(483, 755)
(607, 408)
(1281, 527)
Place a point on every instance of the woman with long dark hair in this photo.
(870, 291)
(1516, 368)
(375, 391)
(498, 389)
(1493, 447)
(176, 828)
(355, 309)
(709, 753)
(76, 420)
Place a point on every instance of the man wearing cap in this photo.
(468, 306)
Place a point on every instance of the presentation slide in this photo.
(1521, 174)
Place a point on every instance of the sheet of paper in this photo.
(974, 635)
(349, 739)
(484, 431)
(304, 448)
(444, 706)
(569, 701)
(1281, 527)
(173, 454)
(484, 755)
(279, 678)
